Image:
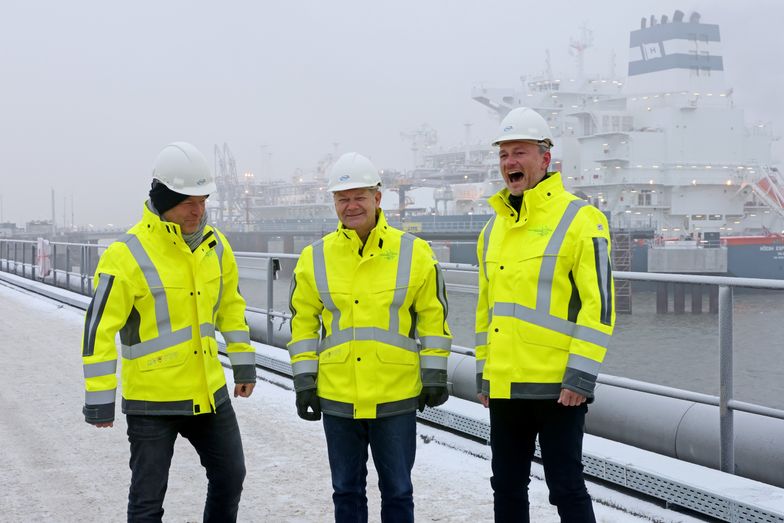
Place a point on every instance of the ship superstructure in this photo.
(667, 149)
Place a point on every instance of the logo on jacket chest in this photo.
(388, 254)
(541, 230)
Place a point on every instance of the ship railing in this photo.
(20, 257)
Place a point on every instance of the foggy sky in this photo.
(92, 90)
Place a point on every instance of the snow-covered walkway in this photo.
(54, 467)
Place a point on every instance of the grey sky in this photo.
(91, 90)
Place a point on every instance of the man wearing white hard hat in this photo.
(544, 318)
(166, 286)
(369, 343)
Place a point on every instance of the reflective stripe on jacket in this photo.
(545, 311)
(166, 302)
(356, 315)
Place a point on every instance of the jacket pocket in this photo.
(334, 355)
(395, 356)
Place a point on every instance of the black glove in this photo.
(433, 397)
(308, 399)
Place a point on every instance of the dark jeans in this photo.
(392, 441)
(514, 425)
(216, 438)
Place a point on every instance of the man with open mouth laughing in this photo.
(543, 321)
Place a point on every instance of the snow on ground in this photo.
(55, 467)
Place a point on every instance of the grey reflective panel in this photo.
(236, 336)
(95, 312)
(441, 292)
(396, 407)
(154, 283)
(547, 270)
(554, 323)
(402, 279)
(583, 364)
(486, 242)
(99, 397)
(208, 330)
(480, 338)
(303, 346)
(436, 342)
(432, 362)
(337, 408)
(368, 334)
(242, 358)
(603, 276)
(219, 254)
(161, 342)
(322, 284)
(581, 332)
(480, 366)
(161, 408)
(535, 390)
(304, 366)
(103, 368)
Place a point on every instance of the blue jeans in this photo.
(392, 441)
(514, 425)
(216, 438)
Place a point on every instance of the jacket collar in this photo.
(545, 190)
(376, 235)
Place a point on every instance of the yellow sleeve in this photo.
(592, 273)
(112, 301)
(230, 320)
(482, 311)
(431, 307)
(306, 306)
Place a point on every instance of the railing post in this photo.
(33, 259)
(82, 261)
(54, 264)
(67, 269)
(270, 280)
(726, 414)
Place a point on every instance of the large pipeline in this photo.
(678, 428)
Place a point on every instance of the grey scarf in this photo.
(193, 239)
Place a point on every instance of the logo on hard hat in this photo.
(344, 178)
(508, 128)
(202, 181)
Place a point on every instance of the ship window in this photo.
(715, 217)
(698, 217)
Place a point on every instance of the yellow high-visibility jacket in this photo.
(166, 302)
(545, 311)
(356, 314)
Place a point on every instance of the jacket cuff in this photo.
(434, 378)
(579, 382)
(304, 381)
(99, 413)
(244, 373)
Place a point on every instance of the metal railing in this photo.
(20, 257)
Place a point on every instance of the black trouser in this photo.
(216, 438)
(514, 425)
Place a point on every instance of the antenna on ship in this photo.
(579, 46)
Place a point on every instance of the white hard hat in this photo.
(524, 124)
(182, 168)
(352, 171)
